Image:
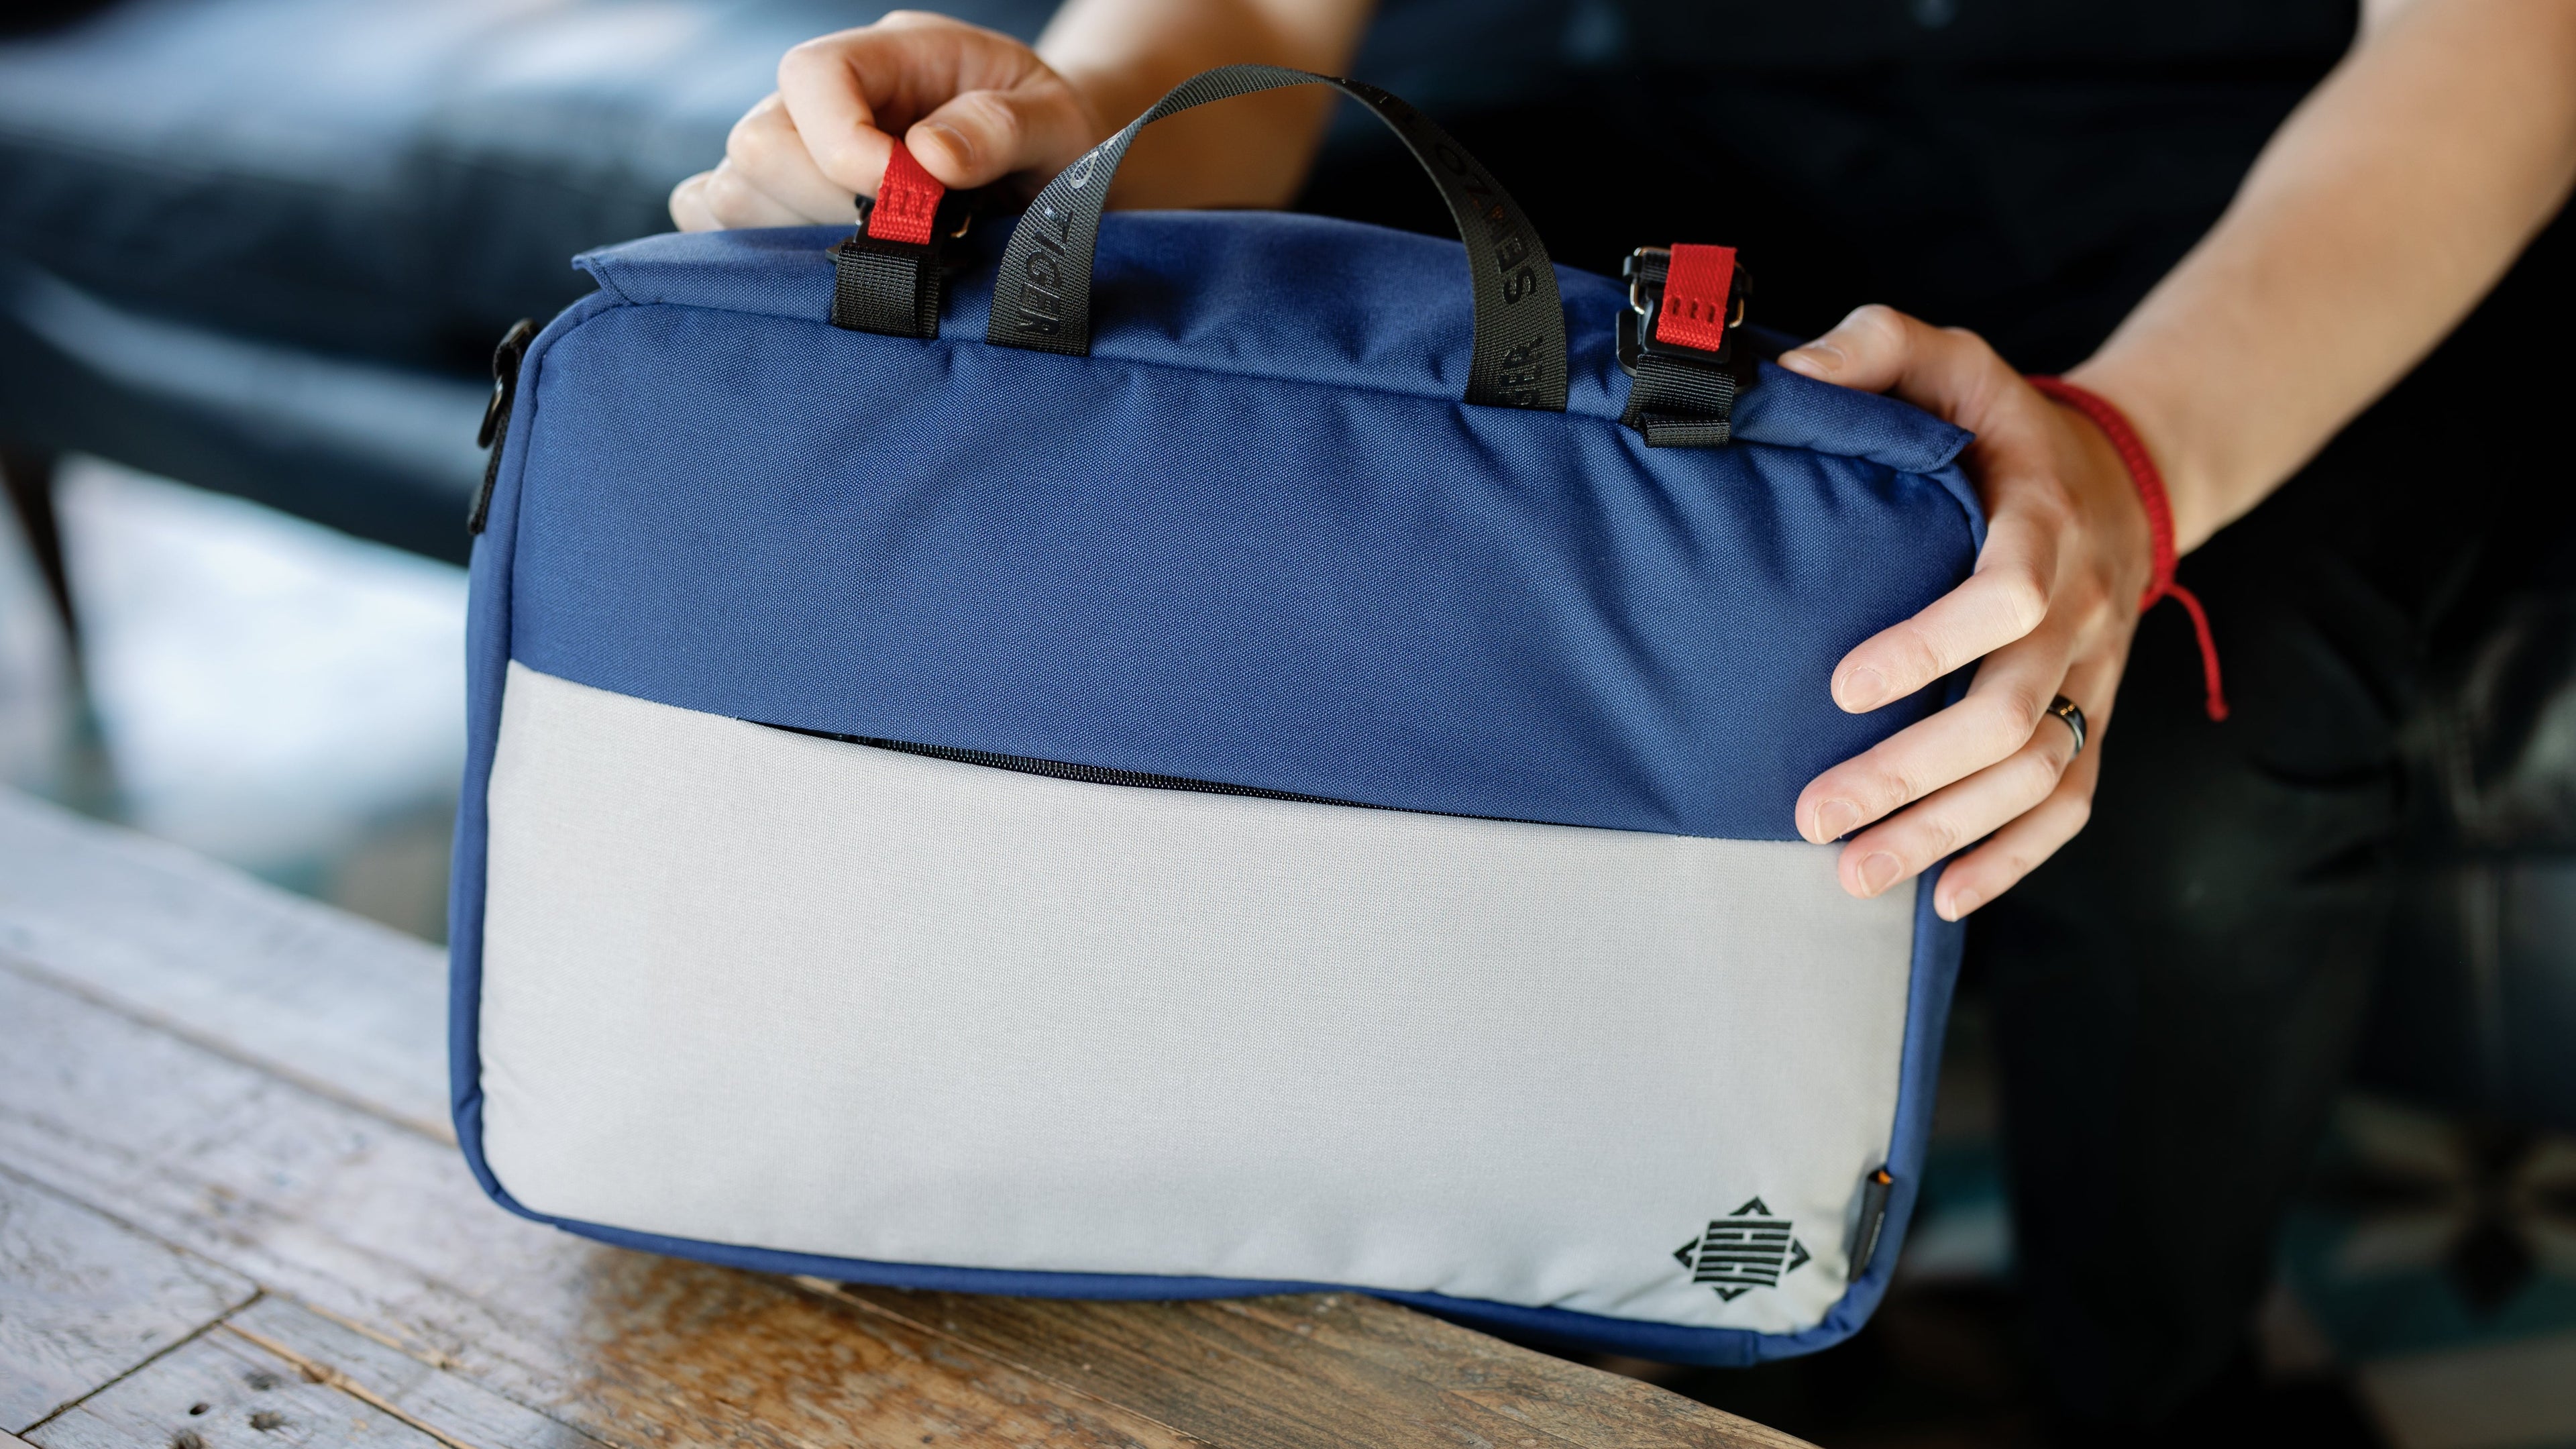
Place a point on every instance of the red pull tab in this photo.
(1695, 287)
(906, 201)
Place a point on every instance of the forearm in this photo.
(1250, 151)
(2387, 205)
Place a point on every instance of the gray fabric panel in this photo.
(754, 987)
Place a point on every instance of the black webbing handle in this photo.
(1042, 300)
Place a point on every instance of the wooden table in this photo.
(232, 1214)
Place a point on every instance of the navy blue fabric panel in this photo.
(1364, 590)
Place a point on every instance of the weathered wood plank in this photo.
(84, 1299)
(1565, 1399)
(222, 1392)
(381, 1227)
(444, 1404)
(1270, 1373)
(312, 993)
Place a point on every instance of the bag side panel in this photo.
(487, 657)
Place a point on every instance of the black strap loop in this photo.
(886, 287)
(1042, 300)
(1678, 405)
(893, 287)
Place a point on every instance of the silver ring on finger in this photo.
(2069, 711)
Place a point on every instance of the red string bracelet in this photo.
(2151, 493)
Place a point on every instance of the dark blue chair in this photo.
(265, 246)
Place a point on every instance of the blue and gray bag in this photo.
(1186, 759)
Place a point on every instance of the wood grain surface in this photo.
(209, 1082)
(83, 1299)
(316, 995)
(435, 1400)
(224, 1392)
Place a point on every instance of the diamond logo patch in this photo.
(1745, 1250)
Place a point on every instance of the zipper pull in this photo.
(496, 414)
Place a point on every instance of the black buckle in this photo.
(1645, 270)
(1683, 396)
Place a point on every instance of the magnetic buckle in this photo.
(1645, 270)
(959, 206)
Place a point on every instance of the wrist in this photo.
(2189, 493)
(1117, 71)
(2115, 488)
(1109, 94)
(2111, 423)
(2117, 504)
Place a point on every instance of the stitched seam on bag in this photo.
(625, 298)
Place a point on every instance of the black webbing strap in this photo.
(1681, 404)
(887, 287)
(1042, 300)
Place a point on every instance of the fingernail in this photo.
(1879, 872)
(1958, 905)
(1860, 689)
(1834, 820)
(949, 136)
(1816, 359)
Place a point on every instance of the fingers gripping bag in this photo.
(1177, 755)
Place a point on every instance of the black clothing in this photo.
(2027, 175)
(2177, 993)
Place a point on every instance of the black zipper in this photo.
(1088, 774)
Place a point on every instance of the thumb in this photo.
(1943, 370)
(973, 105)
(983, 136)
(1871, 350)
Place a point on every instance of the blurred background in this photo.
(253, 257)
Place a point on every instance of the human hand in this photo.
(2050, 610)
(972, 106)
